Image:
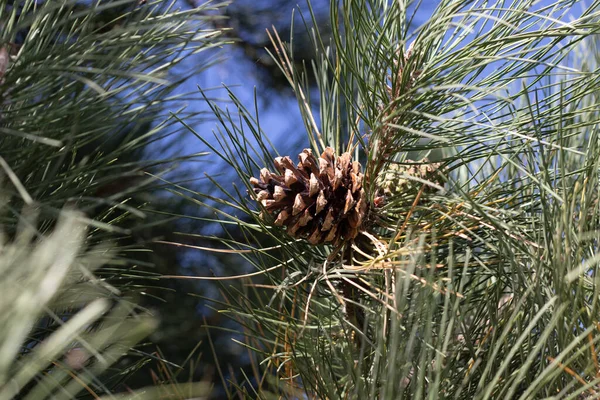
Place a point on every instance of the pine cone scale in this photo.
(321, 202)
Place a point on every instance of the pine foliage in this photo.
(476, 282)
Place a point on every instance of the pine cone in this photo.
(319, 200)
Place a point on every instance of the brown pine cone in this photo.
(320, 200)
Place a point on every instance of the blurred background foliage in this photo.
(87, 91)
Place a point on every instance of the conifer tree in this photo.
(472, 274)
